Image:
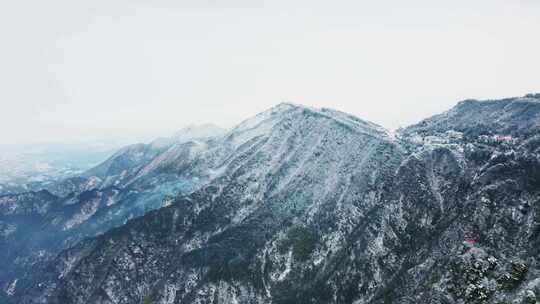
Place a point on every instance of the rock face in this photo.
(301, 205)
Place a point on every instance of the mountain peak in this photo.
(189, 133)
(519, 116)
(528, 98)
(304, 117)
(195, 131)
(286, 105)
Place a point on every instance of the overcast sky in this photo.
(76, 70)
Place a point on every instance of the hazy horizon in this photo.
(105, 70)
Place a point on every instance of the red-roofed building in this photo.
(471, 242)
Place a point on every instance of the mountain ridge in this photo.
(315, 206)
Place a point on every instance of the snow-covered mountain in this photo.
(304, 205)
(518, 117)
(189, 133)
(102, 198)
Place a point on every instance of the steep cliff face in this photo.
(315, 206)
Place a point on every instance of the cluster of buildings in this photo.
(446, 138)
(452, 137)
(493, 139)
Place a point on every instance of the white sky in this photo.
(73, 70)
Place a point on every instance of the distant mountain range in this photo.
(33, 167)
(294, 205)
(42, 166)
